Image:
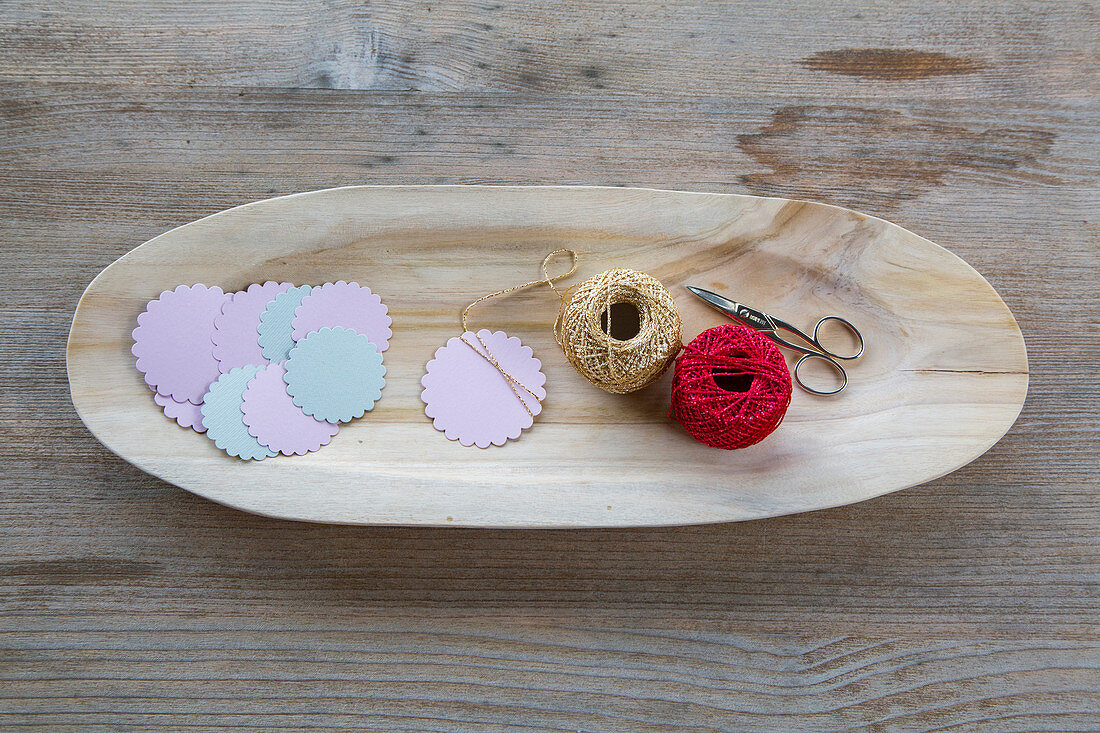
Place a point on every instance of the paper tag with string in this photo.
(484, 388)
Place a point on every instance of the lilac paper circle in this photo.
(470, 401)
(224, 419)
(172, 342)
(344, 305)
(185, 414)
(276, 422)
(236, 334)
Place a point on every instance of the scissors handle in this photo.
(814, 350)
(832, 362)
(851, 329)
(812, 344)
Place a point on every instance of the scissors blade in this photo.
(737, 311)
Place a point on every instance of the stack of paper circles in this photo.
(267, 370)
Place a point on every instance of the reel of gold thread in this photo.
(620, 329)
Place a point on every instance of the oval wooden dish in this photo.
(944, 375)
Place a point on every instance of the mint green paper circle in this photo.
(274, 330)
(224, 421)
(335, 374)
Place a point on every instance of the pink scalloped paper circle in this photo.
(185, 414)
(236, 334)
(344, 305)
(172, 342)
(470, 401)
(276, 422)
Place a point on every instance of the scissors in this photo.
(810, 348)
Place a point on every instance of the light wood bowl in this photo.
(943, 377)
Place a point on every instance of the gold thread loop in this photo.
(487, 354)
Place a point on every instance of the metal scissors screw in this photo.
(810, 346)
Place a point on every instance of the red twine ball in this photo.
(731, 387)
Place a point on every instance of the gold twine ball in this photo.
(592, 315)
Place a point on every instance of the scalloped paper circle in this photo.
(224, 421)
(236, 335)
(470, 401)
(344, 305)
(335, 374)
(276, 422)
(185, 414)
(172, 342)
(275, 334)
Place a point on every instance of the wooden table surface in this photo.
(968, 603)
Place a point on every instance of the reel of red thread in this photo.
(731, 387)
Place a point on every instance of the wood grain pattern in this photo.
(549, 676)
(129, 605)
(921, 402)
(586, 47)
